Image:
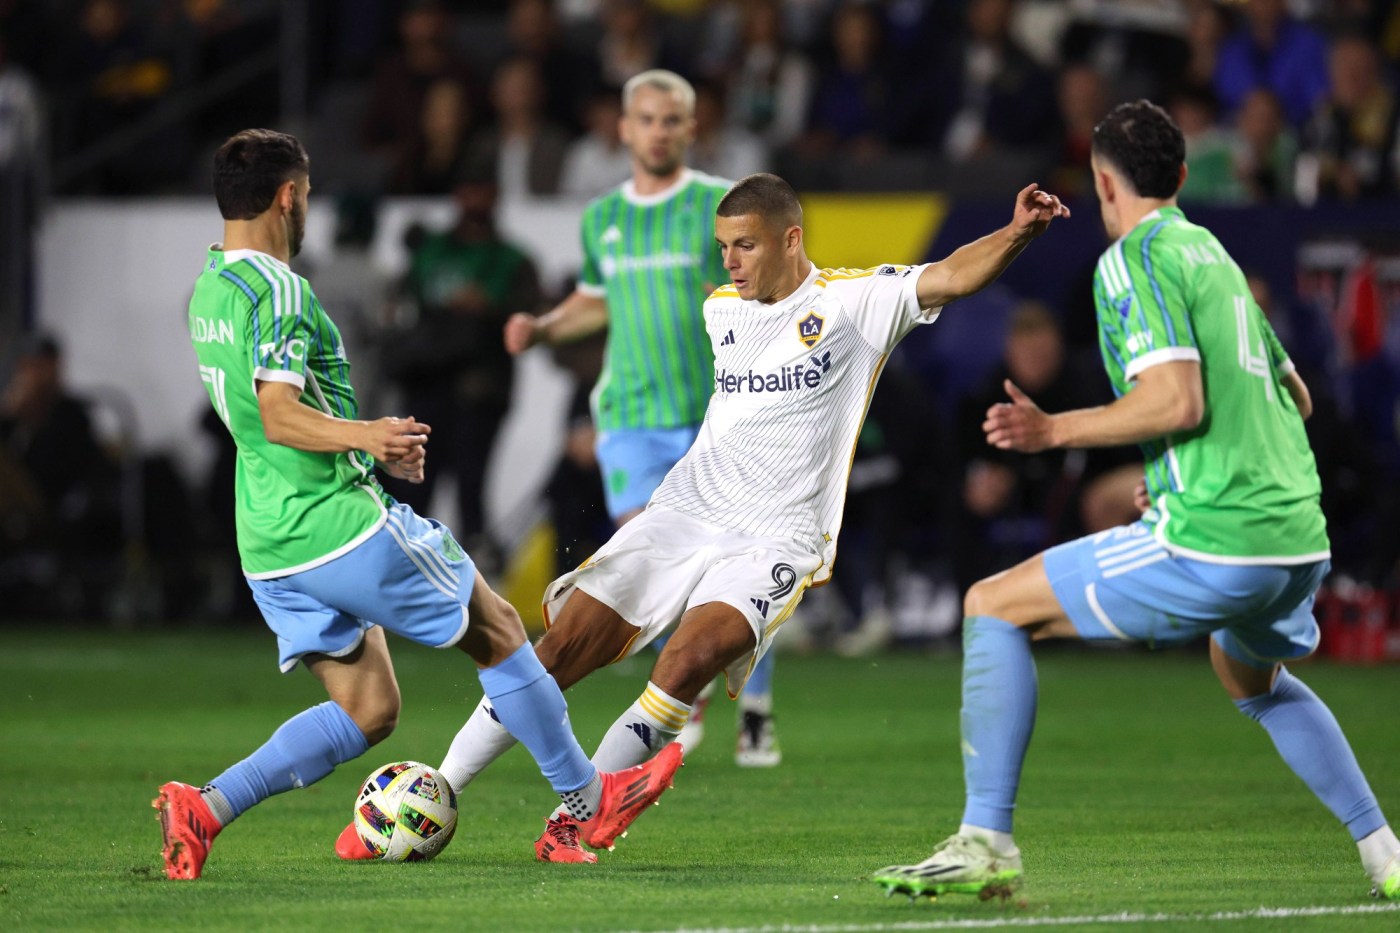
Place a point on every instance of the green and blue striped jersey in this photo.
(252, 319)
(654, 260)
(1242, 487)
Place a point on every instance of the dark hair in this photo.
(763, 194)
(249, 168)
(1145, 144)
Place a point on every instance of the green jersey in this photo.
(654, 260)
(254, 320)
(1241, 487)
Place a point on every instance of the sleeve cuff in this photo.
(1286, 367)
(1157, 357)
(911, 297)
(263, 374)
(591, 290)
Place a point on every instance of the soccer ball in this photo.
(406, 812)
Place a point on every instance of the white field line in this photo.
(1259, 913)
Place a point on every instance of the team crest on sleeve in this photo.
(809, 329)
(888, 270)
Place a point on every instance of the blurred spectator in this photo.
(394, 116)
(1272, 49)
(1138, 45)
(630, 43)
(525, 149)
(1207, 25)
(1210, 156)
(21, 188)
(1352, 138)
(1014, 505)
(1265, 148)
(28, 30)
(853, 106)
(770, 85)
(1083, 101)
(207, 37)
(720, 148)
(570, 80)
(117, 76)
(452, 365)
(54, 476)
(431, 163)
(597, 161)
(992, 94)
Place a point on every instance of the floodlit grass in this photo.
(1145, 792)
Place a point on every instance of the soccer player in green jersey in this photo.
(649, 262)
(1232, 540)
(330, 557)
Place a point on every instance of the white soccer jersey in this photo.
(793, 380)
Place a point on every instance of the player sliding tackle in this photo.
(330, 556)
(749, 517)
(1232, 541)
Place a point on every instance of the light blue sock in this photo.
(303, 750)
(760, 683)
(528, 703)
(998, 714)
(1306, 734)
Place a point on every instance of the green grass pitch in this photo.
(1145, 794)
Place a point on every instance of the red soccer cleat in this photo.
(351, 848)
(627, 793)
(187, 829)
(559, 842)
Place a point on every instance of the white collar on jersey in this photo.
(236, 255)
(629, 190)
(799, 294)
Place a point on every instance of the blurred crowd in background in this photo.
(1282, 103)
(1280, 100)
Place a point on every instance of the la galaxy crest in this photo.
(809, 329)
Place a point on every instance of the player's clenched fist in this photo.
(1018, 425)
(391, 439)
(409, 466)
(522, 331)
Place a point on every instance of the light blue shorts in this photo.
(410, 576)
(635, 461)
(1123, 584)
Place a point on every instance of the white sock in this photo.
(649, 725)
(1378, 850)
(582, 803)
(999, 841)
(760, 703)
(480, 741)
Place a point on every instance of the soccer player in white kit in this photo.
(749, 518)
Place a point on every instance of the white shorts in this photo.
(664, 562)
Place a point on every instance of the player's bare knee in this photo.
(980, 600)
(376, 716)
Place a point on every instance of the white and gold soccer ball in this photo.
(406, 812)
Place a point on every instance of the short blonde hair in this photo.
(661, 80)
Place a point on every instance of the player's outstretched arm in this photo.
(973, 267)
(288, 422)
(574, 318)
(1167, 398)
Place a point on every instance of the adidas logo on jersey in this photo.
(762, 605)
(728, 340)
(611, 235)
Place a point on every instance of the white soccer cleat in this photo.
(757, 744)
(959, 864)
